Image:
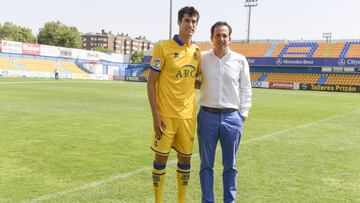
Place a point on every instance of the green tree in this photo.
(137, 57)
(103, 49)
(12, 32)
(58, 34)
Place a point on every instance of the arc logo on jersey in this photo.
(187, 71)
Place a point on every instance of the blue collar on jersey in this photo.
(178, 41)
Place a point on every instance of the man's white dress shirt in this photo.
(225, 82)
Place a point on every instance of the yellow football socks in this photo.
(158, 176)
(182, 176)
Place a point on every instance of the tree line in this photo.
(52, 33)
(55, 34)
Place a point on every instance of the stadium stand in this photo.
(252, 49)
(277, 50)
(70, 66)
(293, 77)
(318, 72)
(346, 79)
(271, 61)
(322, 79)
(310, 78)
(334, 49)
(6, 64)
(299, 49)
(321, 50)
(204, 46)
(19, 59)
(351, 50)
(145, 73)
(38, 65)
(346, 49)
(255, 75)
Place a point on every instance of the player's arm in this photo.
(198, 74)
(156, 65)
(158, 122)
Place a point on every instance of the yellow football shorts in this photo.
(179, 135)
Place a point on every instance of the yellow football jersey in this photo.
(178, 64)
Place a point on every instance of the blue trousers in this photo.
(227, 128)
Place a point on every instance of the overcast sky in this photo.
(271, 19)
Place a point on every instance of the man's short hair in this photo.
(191, 11)
(218, 24)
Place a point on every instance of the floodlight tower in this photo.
(250, 4)
(327, 36)
(170, 26)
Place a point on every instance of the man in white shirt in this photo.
(225, 102)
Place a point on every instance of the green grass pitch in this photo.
(88, 141)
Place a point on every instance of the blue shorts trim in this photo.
(187, 155)
(160, 153)
(167, 153)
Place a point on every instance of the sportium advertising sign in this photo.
(281, 85)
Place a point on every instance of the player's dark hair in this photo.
(220, 23)
(191, 11)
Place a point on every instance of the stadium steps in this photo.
(353, 50)
(71, 66)
(263, 77)
(299, 49)
(269, 52)
(322, 80)
(18, 65)
(83, 68)
(278, 49)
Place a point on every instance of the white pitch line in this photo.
(89, 185)
(268, 136)
(29, 82)
(171, 162)
(94, 184)
(66, 81)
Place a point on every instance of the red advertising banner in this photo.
(11, 47)
(31, 49)
(281, 85)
